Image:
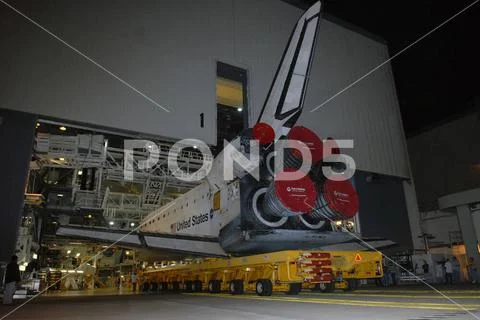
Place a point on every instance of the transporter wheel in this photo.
(188, 286)
(264, 287)
(325, 287)
(214, 286)
(255, 215)
(197, 286)
(294, 289)
(175, 286)
(163, 286)
(236, 287)
(352, 285)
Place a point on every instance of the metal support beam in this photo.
(469, 233)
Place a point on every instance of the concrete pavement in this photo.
(363, 304)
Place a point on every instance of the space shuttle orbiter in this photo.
(246, 215)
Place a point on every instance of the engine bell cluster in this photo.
(312, 199)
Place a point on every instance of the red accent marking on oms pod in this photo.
(263, 132)
(310, 138)
(296, 195)
(341, 197)
(331, 147)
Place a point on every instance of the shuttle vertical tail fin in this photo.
(284, 101)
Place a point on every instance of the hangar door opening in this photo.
(231, 97)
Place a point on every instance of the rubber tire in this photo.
(294, 289)
(175, 286)
(325, 287)
(264, 287)
(352, 285)
(188, 286)
(163, 286)
(197, 286)
(214, 286)
(236, 287)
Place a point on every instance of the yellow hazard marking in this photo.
(216, 201)
(423, 296)
(357, 303)
(419, 291)
(358, 257)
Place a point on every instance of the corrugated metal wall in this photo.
(168, 50)
(367, 112)
(446, 160)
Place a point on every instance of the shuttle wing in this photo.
(285, 98)
(237, 242)
(191, 245)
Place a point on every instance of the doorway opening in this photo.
(232, 107)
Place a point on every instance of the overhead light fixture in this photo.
(195, 147)
(60, 195)
(239, 109)
(127, 253)
(69, 251)
(61, 159)
(89, 216)
(338, 223)
(38, 124)
(22, 268)
(77, 255)
(80, 172)
(111, 223)
(62, 128)
(34, 256)
(132, 224)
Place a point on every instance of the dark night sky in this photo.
(438, 77)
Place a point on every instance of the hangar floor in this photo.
(363, 304)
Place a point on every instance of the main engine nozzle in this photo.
(337, 200)
(285, 198)
(293, 157)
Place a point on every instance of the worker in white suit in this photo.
(448, 272)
